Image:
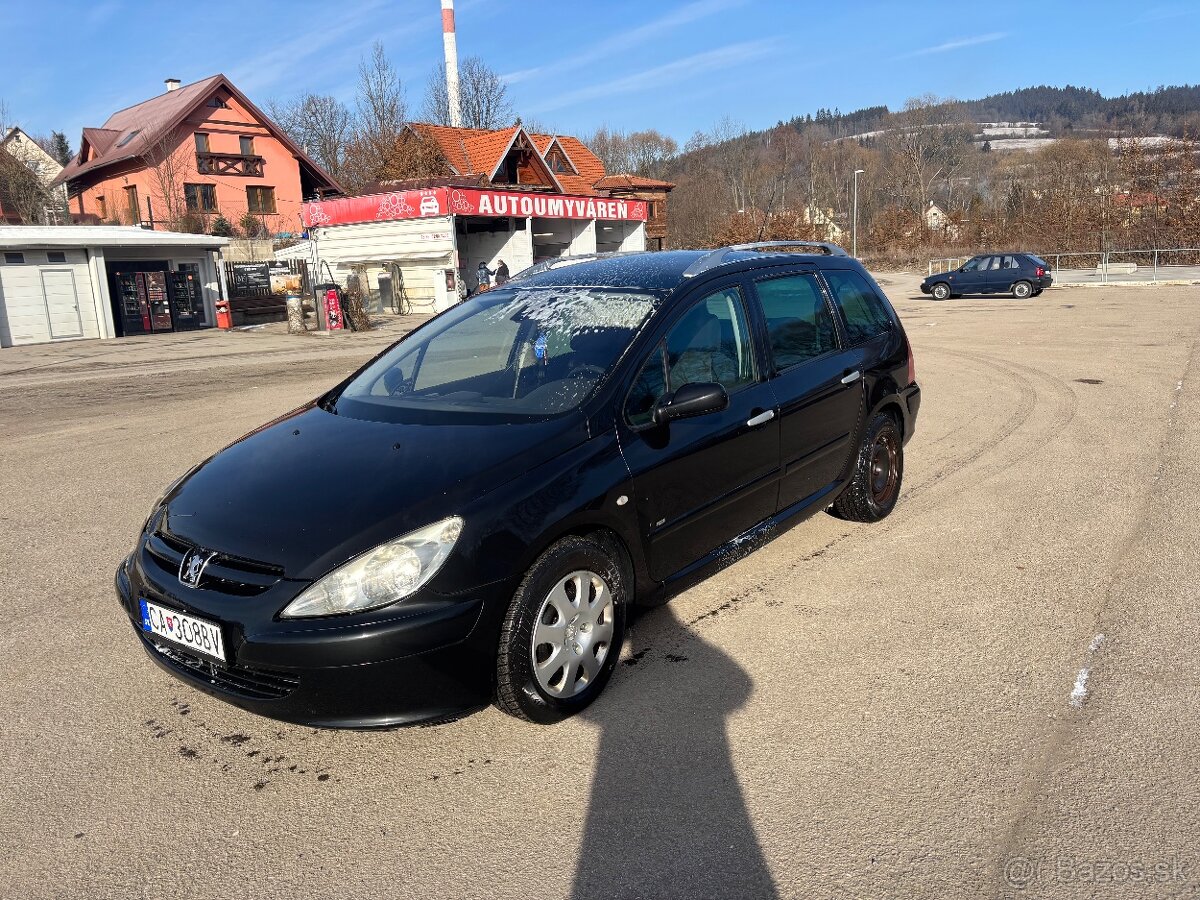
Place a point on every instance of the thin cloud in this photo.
(679, 70)
(957, 44)
(1161, 15)
(690, 12)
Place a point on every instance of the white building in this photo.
(27, 151)
(63, 283)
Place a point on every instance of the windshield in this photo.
(512, 352)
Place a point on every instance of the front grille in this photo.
(225, 574)
(254, 684)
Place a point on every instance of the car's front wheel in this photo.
(940, 291)
(1022, 290)
(563, 631)
(878, 472)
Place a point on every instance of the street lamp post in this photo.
(854, 221)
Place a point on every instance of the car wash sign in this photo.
(442, 201)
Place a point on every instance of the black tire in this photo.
(518, 691)
(878, 473)
(940, 291)
(1022, 290)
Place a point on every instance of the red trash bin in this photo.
(224, 317)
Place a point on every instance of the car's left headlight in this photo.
(390, 572)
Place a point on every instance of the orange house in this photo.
(197, 151)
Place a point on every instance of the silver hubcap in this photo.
(572, 634)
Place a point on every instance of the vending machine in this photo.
(131, 301)
(160, 303)
(187, 309)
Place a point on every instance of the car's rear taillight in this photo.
(1040, 271)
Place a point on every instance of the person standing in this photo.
(483, 276)
(501, 273)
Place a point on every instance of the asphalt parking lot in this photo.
(849, 711)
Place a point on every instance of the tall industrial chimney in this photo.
(450, 43)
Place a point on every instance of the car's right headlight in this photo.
(384, 575)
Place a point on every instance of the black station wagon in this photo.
(507, 481)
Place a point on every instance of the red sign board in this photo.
(442, 201)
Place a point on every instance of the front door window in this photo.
(710, 343)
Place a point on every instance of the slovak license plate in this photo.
(198, 635)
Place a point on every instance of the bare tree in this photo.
(642, 152)
(380, 120)
(483, 96)
(929, 144)
(381, 107)
(23, 195)
(322, 125)
(170, 167)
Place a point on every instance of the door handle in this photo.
(761, 418)
(851, 377)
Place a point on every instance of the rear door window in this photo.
(799, 322)
(864, 314)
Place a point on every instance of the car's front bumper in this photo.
(433, 664)
(925, 287)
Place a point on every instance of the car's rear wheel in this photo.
(878, 473)
(940, 291)
(563, 631)
(1022, 290)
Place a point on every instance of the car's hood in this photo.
(314, 489)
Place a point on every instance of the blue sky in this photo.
(675, 65)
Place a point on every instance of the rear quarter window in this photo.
(864, 314)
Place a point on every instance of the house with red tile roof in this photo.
(180, 159)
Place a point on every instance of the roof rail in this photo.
(560, 261)
(722, 255)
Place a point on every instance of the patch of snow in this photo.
(1080, 691)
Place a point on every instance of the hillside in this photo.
(1059, 110)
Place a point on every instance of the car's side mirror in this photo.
(697, 399)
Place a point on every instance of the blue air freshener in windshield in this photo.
(539, 347)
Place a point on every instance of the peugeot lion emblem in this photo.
(192, 567)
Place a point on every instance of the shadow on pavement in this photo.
(666, 816)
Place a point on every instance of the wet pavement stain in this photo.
(258, 761)
(635, 658)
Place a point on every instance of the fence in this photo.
(1115, 266)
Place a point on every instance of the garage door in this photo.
(62, 303)
(46, 295)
